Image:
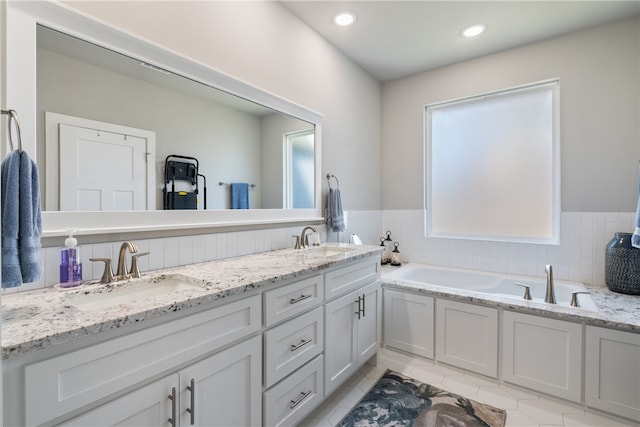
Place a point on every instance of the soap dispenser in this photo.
(70, 263)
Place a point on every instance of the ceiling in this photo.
(393, 39)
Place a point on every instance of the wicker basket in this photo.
(622, 265)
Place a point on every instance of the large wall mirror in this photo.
(101, 94)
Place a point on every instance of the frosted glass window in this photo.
(492, 166)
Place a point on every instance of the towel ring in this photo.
(329, 176)
(13, 117)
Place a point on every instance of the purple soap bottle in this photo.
(70, 263)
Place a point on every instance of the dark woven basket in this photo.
(622, 265)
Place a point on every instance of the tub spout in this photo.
(550, 296)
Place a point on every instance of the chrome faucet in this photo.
(304, 238)
(550, 296)
(122, 262)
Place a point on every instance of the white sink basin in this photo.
(326, 251)
(132, 292)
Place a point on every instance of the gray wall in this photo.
(263, 44)
(599, 72)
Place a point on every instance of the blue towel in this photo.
(335, 216)
(635, 238)
(239, 195)
(21, 220)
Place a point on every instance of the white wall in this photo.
(263, 44)
(599, 72)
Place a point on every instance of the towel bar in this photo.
(229, 184)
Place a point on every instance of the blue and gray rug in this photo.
(397, 401)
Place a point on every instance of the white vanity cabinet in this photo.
(352, 321)
(221, 390)
(71, 381)
(612, 371)
(467, 336)
(408, 322)
(543, 354)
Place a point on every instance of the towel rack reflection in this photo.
(13, 117)
(229, 184)
(329, 176)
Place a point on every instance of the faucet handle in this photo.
(527, 292)
(135, 271)
(297, 245)
(107, 275)
(574, 298)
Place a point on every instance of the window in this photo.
(492, 165)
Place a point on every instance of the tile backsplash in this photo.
(579, 257)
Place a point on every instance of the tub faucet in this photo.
(550, 296)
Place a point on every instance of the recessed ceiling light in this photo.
(344, 18)
(474, 30)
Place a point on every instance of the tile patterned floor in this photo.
(524, 408)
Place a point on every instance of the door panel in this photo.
(101, 171)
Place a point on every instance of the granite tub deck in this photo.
(38, 319)
(615, 310)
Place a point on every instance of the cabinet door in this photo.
(612, 371)
(467, 336)
(340, 340)
(408, 322)
(368, 325)
(225, 389)
(146, 406)
(542, 354)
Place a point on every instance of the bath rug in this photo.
(397, 400)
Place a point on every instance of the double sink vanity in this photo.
(253, 340)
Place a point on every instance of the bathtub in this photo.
(494, 284)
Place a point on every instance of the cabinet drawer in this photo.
(292, 344)
(289, 300)
(61, 384)
(346, 279)
(290, 401)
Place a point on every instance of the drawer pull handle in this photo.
(303, 396)
(361, 305)
(300, 298)
(192, 409)
(172, 398)
(302, 343)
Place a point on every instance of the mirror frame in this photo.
(21, 22)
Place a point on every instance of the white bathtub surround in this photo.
(580, 256)
(504, 286)
(614, 310)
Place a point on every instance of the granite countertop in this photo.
(615, 310)
(37, 319)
